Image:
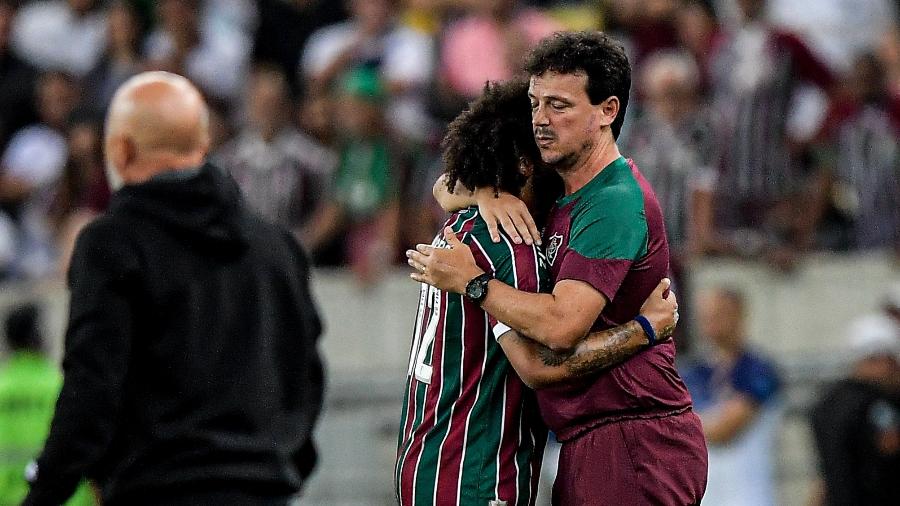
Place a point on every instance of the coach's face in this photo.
(566, 125)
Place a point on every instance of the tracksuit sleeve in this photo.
(97, 348)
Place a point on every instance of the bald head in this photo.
(157, 121)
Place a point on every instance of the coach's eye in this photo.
(558, 105)
(534, 106)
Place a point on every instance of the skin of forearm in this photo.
(601, 350)
(534, 315)
(541, 367)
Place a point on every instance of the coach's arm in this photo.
(541, 367)
(558, 320)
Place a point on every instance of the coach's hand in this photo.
(510, 212)
(661, 309)
(449, 269)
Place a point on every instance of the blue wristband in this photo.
(648, 329)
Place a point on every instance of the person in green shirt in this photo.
(29, 386)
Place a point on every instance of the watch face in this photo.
(474, 290)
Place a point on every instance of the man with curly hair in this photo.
(470, 432)
(629, 435)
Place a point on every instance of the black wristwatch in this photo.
(476, 290)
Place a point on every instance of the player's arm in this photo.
(558, 320)
(496, 208)
(540, 367)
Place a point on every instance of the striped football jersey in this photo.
(470, 431)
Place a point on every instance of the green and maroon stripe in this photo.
(430, 402)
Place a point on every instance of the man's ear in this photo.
(609, 110)
(122, 152)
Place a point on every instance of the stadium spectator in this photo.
(362, 211)
(755, 75)
(315, 119)
(82, 192)
(374, 38)
(187, 42)
(490, 44)
(32, 164)
(29, 385)
(698, 32)
(121, 60)
(191, 370)
(736, 393)
(856, 423)
(836, 30)
(17, 80)
(283, 30)
(646, 26)
(63, 35)
(859, 152)
(282, 173)
(672, 138)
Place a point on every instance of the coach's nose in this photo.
(539, 116)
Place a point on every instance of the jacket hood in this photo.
(203, 205)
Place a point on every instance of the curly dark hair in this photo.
(484, 144)
(596, 54)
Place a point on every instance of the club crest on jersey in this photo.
(553, 247)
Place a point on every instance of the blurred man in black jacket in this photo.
(191, 369)
(856, 423)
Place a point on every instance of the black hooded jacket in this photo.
(190, 355)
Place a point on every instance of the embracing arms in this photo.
(558, 320)
(498, 209)
(540, 367)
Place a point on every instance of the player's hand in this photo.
(510, 212)
(449, 269)
(661, 309)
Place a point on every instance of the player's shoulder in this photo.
(473, 232)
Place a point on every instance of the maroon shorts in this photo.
(659, 461)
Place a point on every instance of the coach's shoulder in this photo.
(105, 244)
(106, 229)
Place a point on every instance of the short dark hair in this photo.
(598, 55)
(484, 144)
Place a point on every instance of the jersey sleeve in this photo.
(604, 242)
(518, 265)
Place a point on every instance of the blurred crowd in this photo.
(765, 133)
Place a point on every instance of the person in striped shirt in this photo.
(470, 430)
(629, 435)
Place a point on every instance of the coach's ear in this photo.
(609, 110)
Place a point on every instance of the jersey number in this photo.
(429, 303)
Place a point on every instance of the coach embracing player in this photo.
(629, 435)
(470, 431)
